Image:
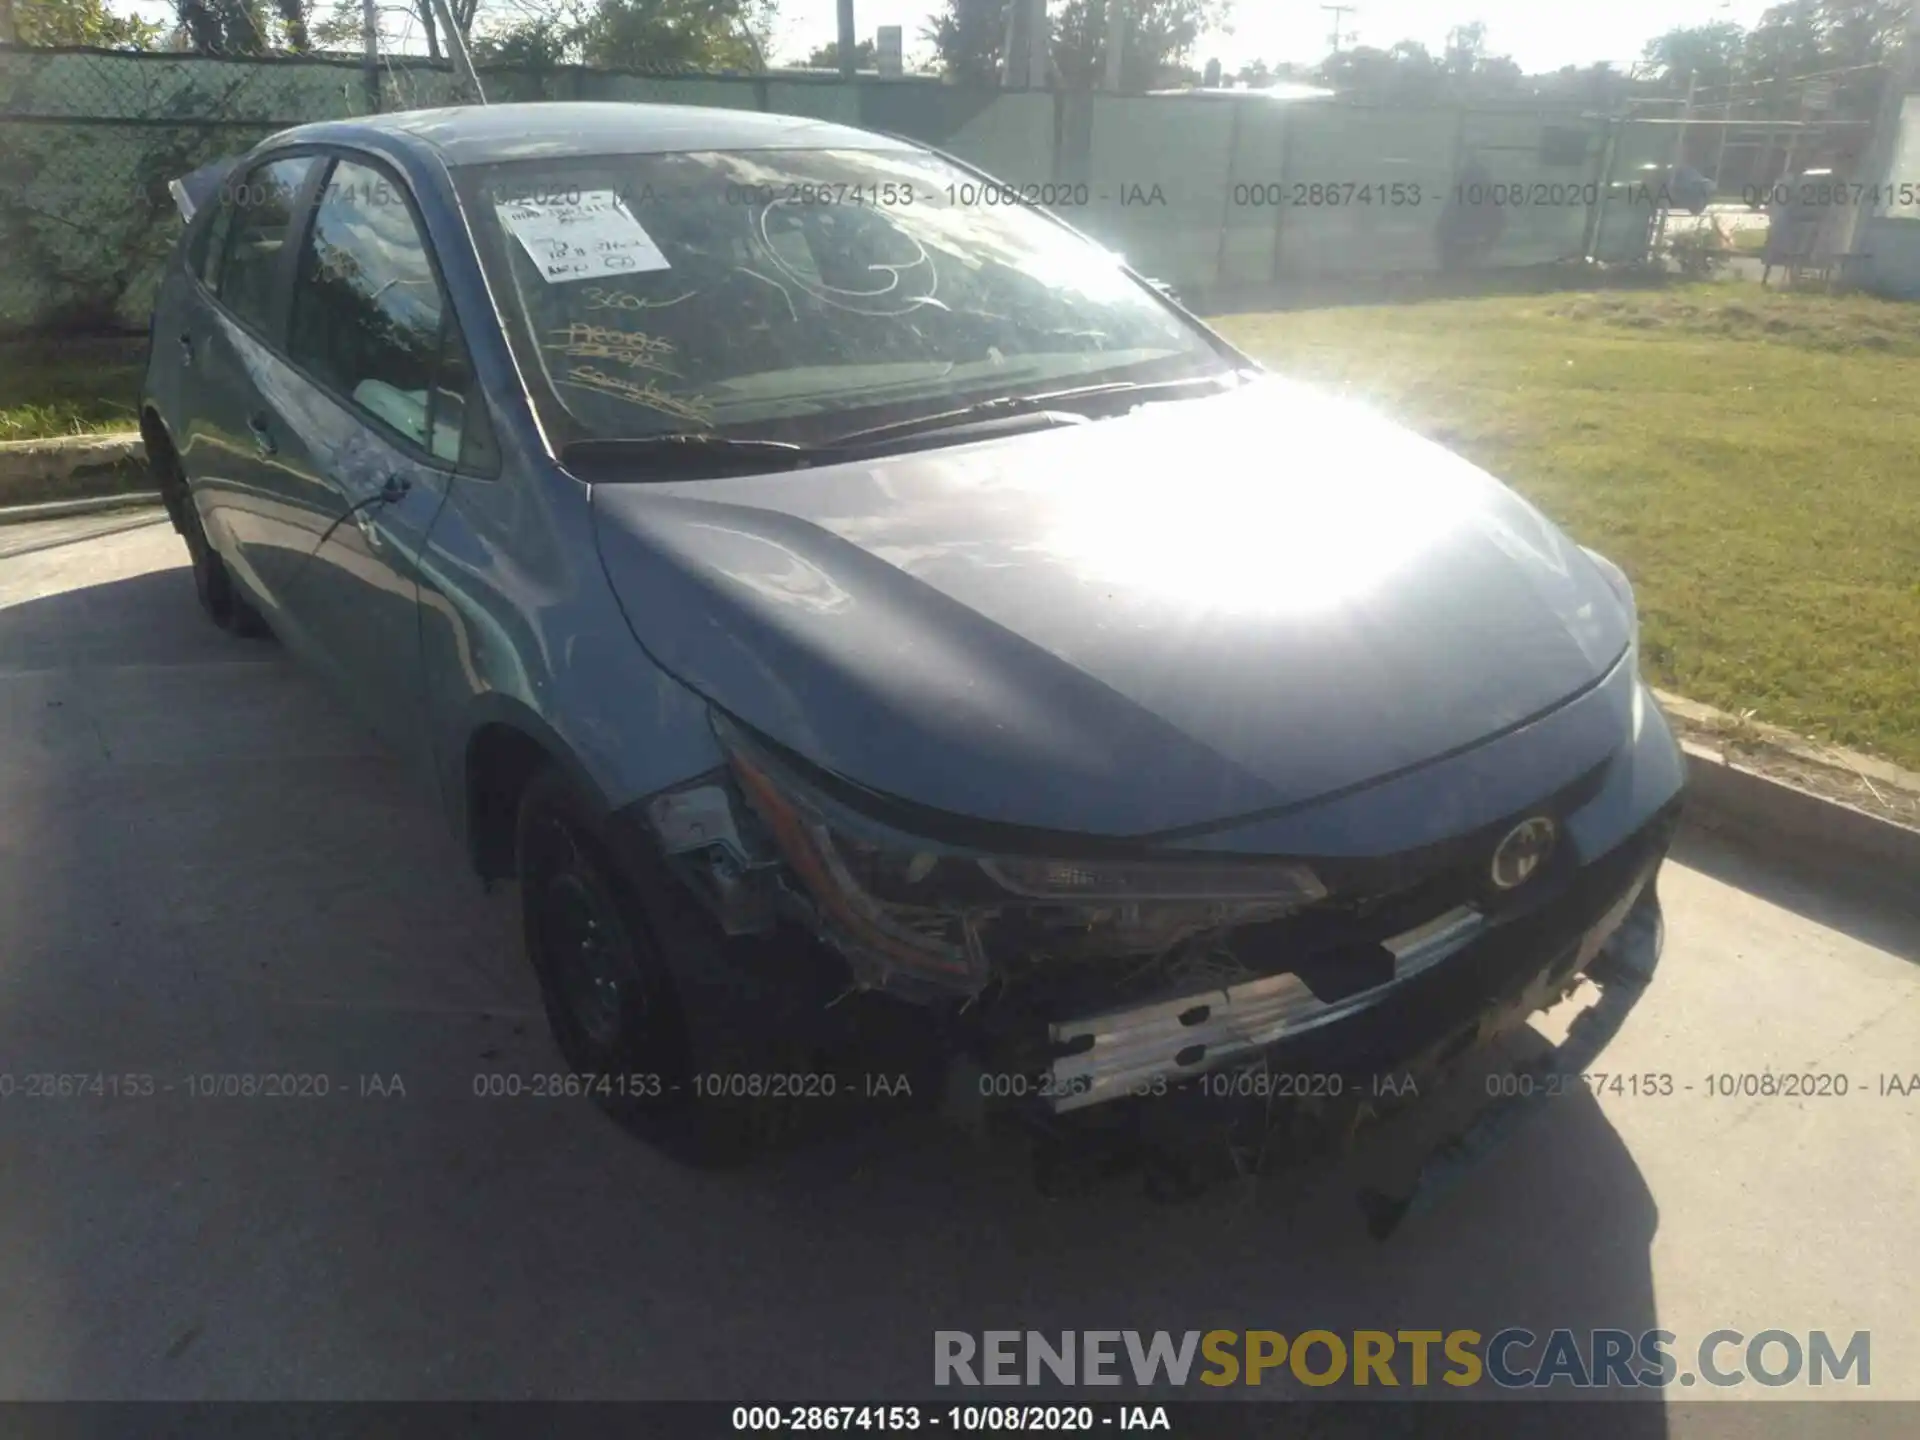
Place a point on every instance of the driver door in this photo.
(383, 418)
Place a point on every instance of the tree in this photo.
(1160, 35)
(1703, 54)
(1466, 48)
(1408, 73)
(679, 34)
(460, 11)
(225, 27)
(1804, 36)
(968, 36)
(82, 22)
(293, 25)
(827, 56)
(537, 42)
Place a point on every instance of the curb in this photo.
(1810, 830)
(70, 466)
(59, 509)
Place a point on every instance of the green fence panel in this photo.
(1194, 190)
(1536, 176)
(1365, 188)
(817, 101)
(1256, 193)
(1157, 183)
(1011, 138)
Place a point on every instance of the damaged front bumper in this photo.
(1448, 976)
(1134, 1022)
(1254, 1078)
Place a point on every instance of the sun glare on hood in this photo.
(1303, 503)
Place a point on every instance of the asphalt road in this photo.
(206, 869)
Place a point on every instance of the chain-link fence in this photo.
(1203, 191)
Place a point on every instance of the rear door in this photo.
(224, 344)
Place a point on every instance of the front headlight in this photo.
(1622, 587)
(1617, 578)
(932, 908)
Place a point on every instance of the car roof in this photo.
(479, 134)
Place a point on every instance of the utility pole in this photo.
(848, 44)
(1339, 12)
(370, 46)
(1023, 55)
(1036, 44)
(457, 48)
(1116, 42)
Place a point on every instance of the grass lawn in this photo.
(72, 390)
(1751, 459)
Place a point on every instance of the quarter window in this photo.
(262, 206)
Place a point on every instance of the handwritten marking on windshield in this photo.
(635, 392)
(884, 302)
(792, 314)
(633, 348)
(596, 298)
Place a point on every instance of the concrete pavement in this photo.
(207, 870)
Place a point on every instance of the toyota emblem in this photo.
(1523, 851)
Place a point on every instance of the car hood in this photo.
(1199, 611)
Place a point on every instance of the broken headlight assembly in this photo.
(914, 913)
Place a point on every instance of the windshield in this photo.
(797, 294)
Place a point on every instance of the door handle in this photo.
(262, 433)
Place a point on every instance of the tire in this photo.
(219, 597)
(630, 973)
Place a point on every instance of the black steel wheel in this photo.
(612, 942)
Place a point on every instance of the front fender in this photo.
(519, 629)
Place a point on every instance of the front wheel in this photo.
(616, 946)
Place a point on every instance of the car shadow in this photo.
(210, 872)
(1827, 893)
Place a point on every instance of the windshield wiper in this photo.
(684, 454)
(680, 454)
(1044, 409)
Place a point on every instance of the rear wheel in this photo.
(624, 960)
(218, 595)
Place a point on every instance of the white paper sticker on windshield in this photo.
(581, 234)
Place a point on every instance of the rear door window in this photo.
(262, 222)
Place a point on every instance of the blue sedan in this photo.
(894, 648)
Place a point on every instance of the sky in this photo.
(1538, 34)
